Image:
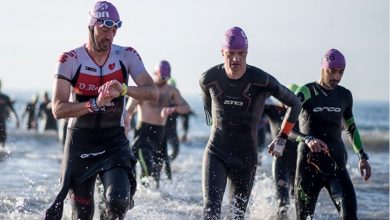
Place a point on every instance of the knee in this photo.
(117, 203)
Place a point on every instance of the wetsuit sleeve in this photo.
(288, 98)
(134, 66)
(303, 93)
(66, 66)
(206, 99)
(350, 126)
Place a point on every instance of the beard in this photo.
(103, 45)
(333, 83)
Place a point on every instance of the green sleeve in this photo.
(353, 134)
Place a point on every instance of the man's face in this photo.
(161, 79)
(235, 60)
(330, 77)
(104, 36)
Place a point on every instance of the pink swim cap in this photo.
(163, 68)
(235, 38)
(333, 59)
(103, 10)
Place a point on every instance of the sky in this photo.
(286, 39)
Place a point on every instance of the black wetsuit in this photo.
(235, 107)
(31, 116)
(171, 134)
(322, 116)
(5, 105)
(45, 112)
(149, 148)
(283, 167)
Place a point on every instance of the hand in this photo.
(108, 91)
(316, 145)
(167, 111)
(365, 169)
(276, 147)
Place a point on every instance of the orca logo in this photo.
(83, 156)
(328, 109)
(231, 102)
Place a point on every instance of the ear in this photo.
(222, 51)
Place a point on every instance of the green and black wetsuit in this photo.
(322, 116)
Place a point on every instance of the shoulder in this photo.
(4, 97)
(126, 51)
(304, 92)
(259, 75)
(211, 74)
(345, 92)
(71, 55)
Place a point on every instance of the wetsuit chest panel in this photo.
(323, 114)
(235, 101)
(86, 80)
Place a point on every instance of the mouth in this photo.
(235, 65)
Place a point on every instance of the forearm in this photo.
(354, 135)
(292, 112)
(144, 93)
(69, 109)
(182, 109)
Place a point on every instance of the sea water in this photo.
(30, 171)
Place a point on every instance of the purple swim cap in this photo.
(103, 10)
(235, 38)
(333, 59)
(163, 68)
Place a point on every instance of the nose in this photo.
(111, 34)
(235, 57)
(338, 76)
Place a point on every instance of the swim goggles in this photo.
(110, 23)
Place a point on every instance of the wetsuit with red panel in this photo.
(96, 144)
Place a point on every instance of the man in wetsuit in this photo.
(45, 112)
(283, 167)
(171, 131)
(326, 105)
(6, 106)
(30, 112)
(149, 142)
(234, 94)
(95, 77)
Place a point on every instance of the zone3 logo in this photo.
(231, 102)
(329, 109)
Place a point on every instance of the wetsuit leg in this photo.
(307, 191)
(116, 193)
(283, 171)
(174, 142)
(241, 183)
(3, 133)
(214, 183)
(343, 195)
(82, 200)
(145, 155)
(159, 156)
(167, 161)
